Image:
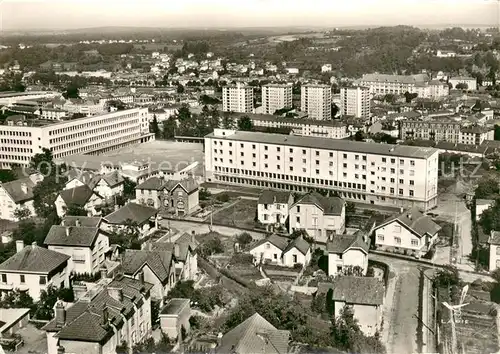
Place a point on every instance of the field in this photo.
(167, 154)
(240, 214)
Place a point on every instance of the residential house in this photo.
(80, 197)
(183, 250)
(494, 248)
(142, 216)
(281, 251)
(346, 252)
(154, 267)
(82, 239)
(119, 311)
(410, 232)
(273, 208)
(320, 216)
(107, 185)
(33, 269)
(175, 316)
(254, 335)
(17, 195)
(365, 296)
(175, 197)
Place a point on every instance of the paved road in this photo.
(399, 333)
(188, 226)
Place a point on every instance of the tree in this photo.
(169, 126)
(245, 123)
(17, 299)
(244, 238)
(486, 188)
(227, 122)
(154, 128)
(180, 89)
(7, 176)
(490, 218)
(335, 110)
(212, 246)
(44, 309)
(43, 162)
(462, 86)
(359, 136)
(497, 132)
(410, 96)
(129, 188)
(76, 210)
(126, 236)
(72, 91)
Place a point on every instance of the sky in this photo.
(71, 14)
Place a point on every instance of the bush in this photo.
(242, 258)
(222, 197)
(204, 194)
(211, 247)
(87, 277)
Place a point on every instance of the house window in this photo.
(298, 219)
(397, 240)
(298, 208)
(380, 237)
(414, 242)
(268, 245)
(4, 278)
(23, 280)
(265, 217)
(294, 258)
(275, 256)
(43, 280)
(397, 228)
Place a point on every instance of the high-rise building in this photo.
(276, 96)
(237, 98)
(382, 174)
(21, 140)
(316, 101)
(355, 101)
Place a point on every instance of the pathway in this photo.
(202, 228)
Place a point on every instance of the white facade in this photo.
(364, 172)
(275, 213)
(395, 236)
(18, 144)
(8, 206)
(381, 84)
(270, 253)
(352, 257)
(294, 256)
(318, 225)
(93, 202)
(237, 98)
(52, 113)
(316, 101)
(355, 101)
(471, 82)
(85, 259)
(276, 96)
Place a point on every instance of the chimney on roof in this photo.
(117, 207)
(105, 317)
(193, 236)
(60, 314)
(401, 210)
(63, 222)
(176, 250)
(19, 245)
(104, 273)
(34, 244)
(77, 223)
(67, 231)
(219, 339)
(409, 215)
(24, 188)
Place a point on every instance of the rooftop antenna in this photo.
(456, 311)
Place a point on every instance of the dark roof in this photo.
(34, 259)
(329, 205)
(158, 261)
(77, 196)
(414, 220)
(174, 306)
(112, 179)
(255, 335)
(85, 321)
(86, 221)
(157, 183)
(16, 192)
(270, 197)
(278, 241)
(186, 243)
(302, 245)
(358, 290)
(132, 211)
(341, 243)
(82, 236)
(85, 177)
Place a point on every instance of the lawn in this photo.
(240, 214)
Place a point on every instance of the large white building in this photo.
(316, 101)
(355, 101)
(237, 98)
(381, 84)
(276, 96)
(18, 143)
(365, 172)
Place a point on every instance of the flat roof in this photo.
(174, 306)
(329, 144)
